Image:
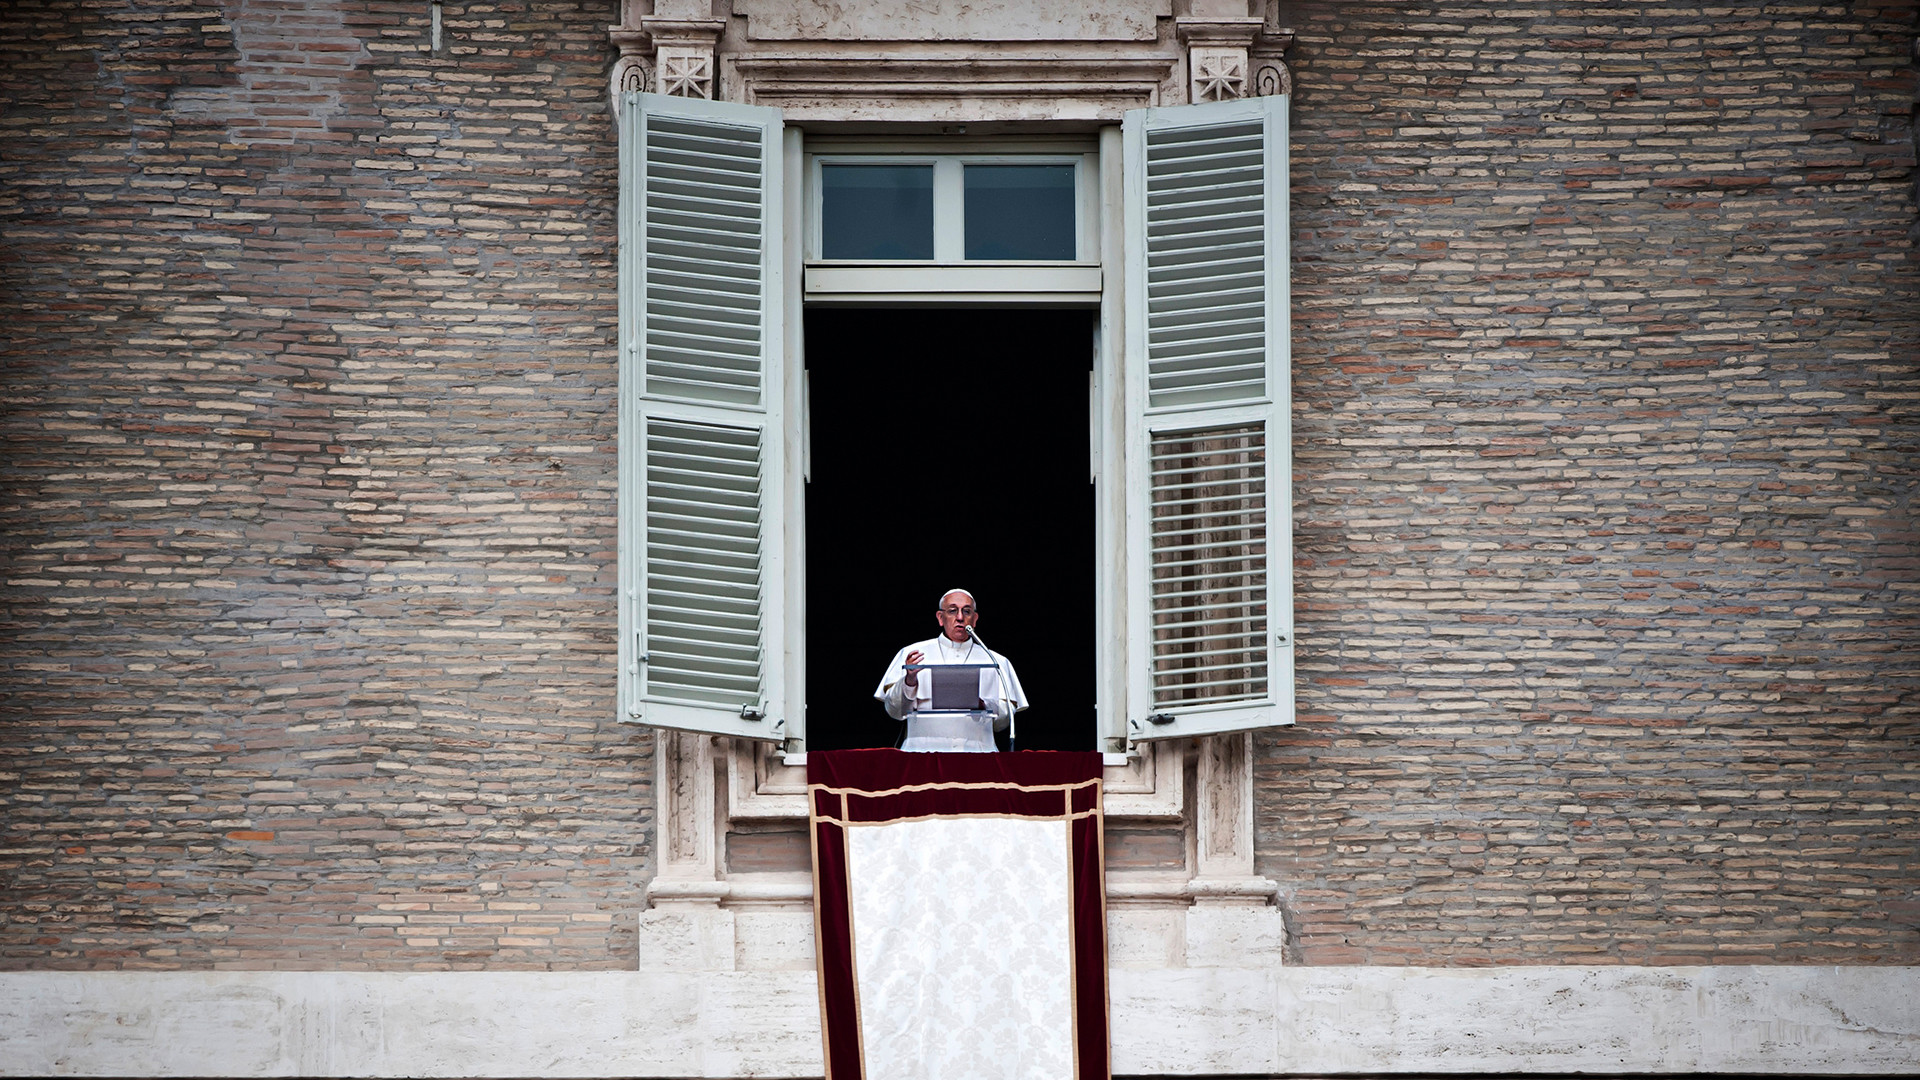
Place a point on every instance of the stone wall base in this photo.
(1299, 1021)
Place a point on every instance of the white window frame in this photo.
(949, 206)
(949, 277)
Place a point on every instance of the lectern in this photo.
(954, 720)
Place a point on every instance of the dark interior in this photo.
(949, 450)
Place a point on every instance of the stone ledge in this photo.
(1193, 1022)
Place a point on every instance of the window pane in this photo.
(876, 211)
(1020, 212)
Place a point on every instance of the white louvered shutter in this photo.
(1209, 460)
(700, 438)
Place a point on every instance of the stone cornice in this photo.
(976, 87)
(1225, 32)
(667, 31)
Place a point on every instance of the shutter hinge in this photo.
(1160, 718)
(752, 714)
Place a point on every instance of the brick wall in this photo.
(308, 489)
(1606, 367)
(1605, 426)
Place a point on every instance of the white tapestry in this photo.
(962, 948)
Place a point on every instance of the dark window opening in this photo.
(949, 450)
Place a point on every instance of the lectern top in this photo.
(956, 687)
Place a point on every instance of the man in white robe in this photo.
(905, 692)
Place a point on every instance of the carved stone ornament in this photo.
(1267, 56)
(631, 73)
(1272, 77)
(1216, 74)
(685, 71)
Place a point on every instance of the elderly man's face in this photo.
(956, 614)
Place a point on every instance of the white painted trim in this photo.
(1087, 222)
(796, 432)
(924, 300)
(1195, 1021)
(1110, 428)
(949, 211)
(1022, 282)
(936, 145)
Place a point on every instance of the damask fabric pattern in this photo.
(960, 945)
(960, 915)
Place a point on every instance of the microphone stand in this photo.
(1006, 690)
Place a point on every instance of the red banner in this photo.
(959, 914)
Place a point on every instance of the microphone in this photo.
(1006, 688)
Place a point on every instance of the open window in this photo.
(1196, 593)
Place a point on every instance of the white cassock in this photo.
(902, 700)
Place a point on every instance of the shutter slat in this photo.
(1177, 524)
(697, 274)
(1222, 620)
(689, 609)
(1166, 550)
(1198, 651)
(1202, 275)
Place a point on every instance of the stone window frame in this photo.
(1203, 906)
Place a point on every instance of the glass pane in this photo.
(876, 211)
(1020, 212)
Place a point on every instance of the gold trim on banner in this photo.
(969, 817)
(819, 942)
(853, 964)
(954, 785)
(1073, 930)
